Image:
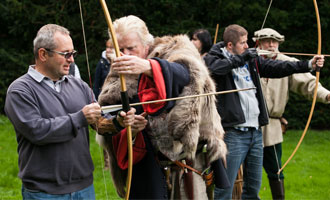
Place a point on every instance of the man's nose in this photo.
(71, 59)
(127, 52)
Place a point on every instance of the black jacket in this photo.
(148, 178)
(102, 70)
(229, 106)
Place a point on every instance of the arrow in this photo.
(113, 108)
(262, 52)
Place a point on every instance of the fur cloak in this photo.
(176, 133)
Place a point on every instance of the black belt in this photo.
(235, 129)
(275, 117)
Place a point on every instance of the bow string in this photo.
(319, 45)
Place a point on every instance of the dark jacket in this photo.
(229, 106)
(148, 178)
(102, 70)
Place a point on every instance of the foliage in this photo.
(20, 21)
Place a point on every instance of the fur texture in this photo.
(191, 120)
(177, 133)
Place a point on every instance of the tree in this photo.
(20, 21)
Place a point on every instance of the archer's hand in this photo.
(131, 65)
(317, 61)
(126, 119)
(328, 97)
(249, 54)
(140, 123)
(92, 112)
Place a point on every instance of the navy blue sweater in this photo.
(52, 134)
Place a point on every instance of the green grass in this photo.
(10, 184)
(306, 176)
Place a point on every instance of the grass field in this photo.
(306, 176)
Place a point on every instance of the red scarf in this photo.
(152, 89)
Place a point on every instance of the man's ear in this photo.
(230, 45)
(43, 54)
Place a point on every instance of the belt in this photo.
(241, 129)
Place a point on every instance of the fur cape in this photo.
(177, 133)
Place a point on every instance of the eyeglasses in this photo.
(66, 55)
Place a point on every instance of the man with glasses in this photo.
(74, 70)
(51, 112)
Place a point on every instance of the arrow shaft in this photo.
(216, 34)
(111, 108)
(303, 54)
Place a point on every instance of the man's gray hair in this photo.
(131, 23)
(45, 37)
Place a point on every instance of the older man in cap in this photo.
(276, 92)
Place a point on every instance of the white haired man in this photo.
(177, 131)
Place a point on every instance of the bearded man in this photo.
(177, 132)
(276, 93)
